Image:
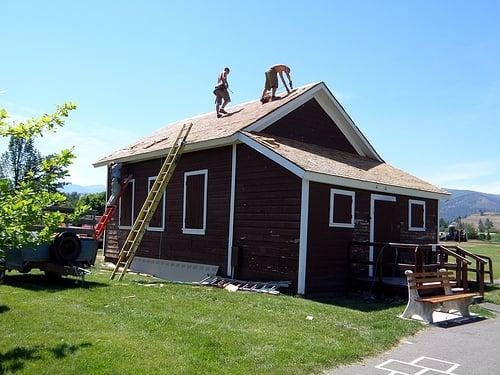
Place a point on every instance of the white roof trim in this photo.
(284, 110)
(368, 148)
(270, 154)
(334, 110)
(371, 186)
(198, 146)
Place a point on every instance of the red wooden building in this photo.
(273, 192)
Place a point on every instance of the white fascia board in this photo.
(369, 150)
(270, 154)
(370, 186)
(192, 147)
(282, 111)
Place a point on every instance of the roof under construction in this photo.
(249, 121)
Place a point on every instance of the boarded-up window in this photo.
(342, 204)
(416, 215)
(195, 202)
(126, 206)
(157, 222)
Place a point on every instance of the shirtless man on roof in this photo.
(221, 93)
(272, 81)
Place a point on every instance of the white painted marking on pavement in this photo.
(395, 366)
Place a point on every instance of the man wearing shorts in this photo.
(272, 80)
(221, 93)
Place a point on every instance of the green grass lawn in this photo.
(129, 328)
(492, 250)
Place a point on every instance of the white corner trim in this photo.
(438, 219)
(198, 231)
(304, 220)
(162, 227)
(373, 198)
(410, 224)
(132, 211)
(270, 154)
(229, 271)
(349, 193)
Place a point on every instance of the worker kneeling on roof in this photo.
(272, 81)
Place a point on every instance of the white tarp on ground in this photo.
(173, 270)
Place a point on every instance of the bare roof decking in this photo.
(206, 127)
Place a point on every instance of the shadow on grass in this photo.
(15, 359)
(41, 282)
(4, 308)
(363, 302)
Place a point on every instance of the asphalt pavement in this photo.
(463, 349)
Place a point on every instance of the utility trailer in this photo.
(68, 254)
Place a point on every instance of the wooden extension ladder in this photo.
(110, 210)
(135, 235)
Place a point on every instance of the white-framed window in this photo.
(157, 223)
(194, 213)
(342, 206)
(416, 215)
(126, 214)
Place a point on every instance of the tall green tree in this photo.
(23, 206)
(488, 224)
(96, 201)
(480, 226)
(20, 159)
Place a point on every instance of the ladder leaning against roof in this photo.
(135, 235)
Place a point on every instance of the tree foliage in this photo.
(20, 158)
(72, 199)
(96, 201)
(23, 206)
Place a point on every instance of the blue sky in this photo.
(420, 79)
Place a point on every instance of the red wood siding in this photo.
(125, 206)
(311, 124)
(327, 254)
(172, 244)
(267, 218)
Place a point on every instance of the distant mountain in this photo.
(466, 202)
(80, 189)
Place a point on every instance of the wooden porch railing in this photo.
(392, 259)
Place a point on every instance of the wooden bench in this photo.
(442, 299)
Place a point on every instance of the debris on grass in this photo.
(231, 287)
(309, 317)
(128, 297)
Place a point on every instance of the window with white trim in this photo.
(416, 215)
(342, 205)
(194, 217)
(126, 207)
(157, 223)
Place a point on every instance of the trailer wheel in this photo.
(66, 248)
